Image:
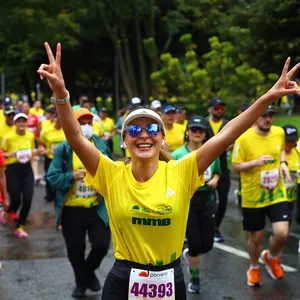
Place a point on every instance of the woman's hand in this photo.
(284, 85)
(52, 72)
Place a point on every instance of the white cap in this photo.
(136, 100)
(20, 115)
(155, 104)
(140, 113)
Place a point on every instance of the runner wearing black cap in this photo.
(216, 122)
(201, 221)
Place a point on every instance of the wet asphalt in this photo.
(37, 268)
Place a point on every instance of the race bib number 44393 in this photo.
(151, 285)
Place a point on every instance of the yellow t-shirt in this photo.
(108, 125)
(51, 138)
(262, 185)
(80, 194)
(2, 117)
(22, 144)
(46, 124)
(215, 126)
(298, 149)
(98, 130)
(38, 112)
(5, 129)
(293, 160)
(147, 220)
(175, 137)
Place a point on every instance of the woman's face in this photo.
(21, 124)
(196, 134)
(144, 145)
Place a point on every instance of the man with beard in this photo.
(259, 157)
(216, 122)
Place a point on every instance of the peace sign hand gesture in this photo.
(52, 72)
(284, 85)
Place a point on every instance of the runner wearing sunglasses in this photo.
(216, 122)
(148, 199)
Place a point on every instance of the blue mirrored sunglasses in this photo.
(136, 130)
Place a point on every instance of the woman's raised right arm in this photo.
(86, 151)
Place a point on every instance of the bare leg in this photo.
(254, 246)
(279, 237)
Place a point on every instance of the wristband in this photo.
(60, 101)
(284, 162)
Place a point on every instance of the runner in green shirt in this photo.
(201, 220)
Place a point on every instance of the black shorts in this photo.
(201, 224)
(254, 219)
(117, 281)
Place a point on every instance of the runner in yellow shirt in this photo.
(293, 160)
(108, 126)
(37, 109)
(259, 157)
(4, 102)
(181, 117)
(148, 199)
(216, 121)
(18, 147)
(50, 117)
(7, 124)
(80, 209)
(174, 132)
(48, 142)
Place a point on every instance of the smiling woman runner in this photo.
(148, 199)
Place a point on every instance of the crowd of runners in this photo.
(172, 181)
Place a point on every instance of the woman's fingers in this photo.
(49, 53)
(293, 71)
(286, 67)
(58, 54)
(45, 74)
(43, 67)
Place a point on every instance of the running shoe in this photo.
(3, 218)
(21, 233)
(273, 266)
(253, 277)
(185, 258)
(219, 238)
(194, 286)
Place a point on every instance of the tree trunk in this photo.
(128, 60)
(153, 61)
(118, 50)
(144, 83)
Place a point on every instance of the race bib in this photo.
(291, 184)
(83, 191)
(151, 285)
(207, 174)
(24, 155)
(269, 179)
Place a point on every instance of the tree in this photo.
(220, 72)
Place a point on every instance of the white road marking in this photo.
(244, 254)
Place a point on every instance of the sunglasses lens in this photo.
(134, 130)
(221, 108)
(153, 129)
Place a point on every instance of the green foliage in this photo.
(220, 72)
